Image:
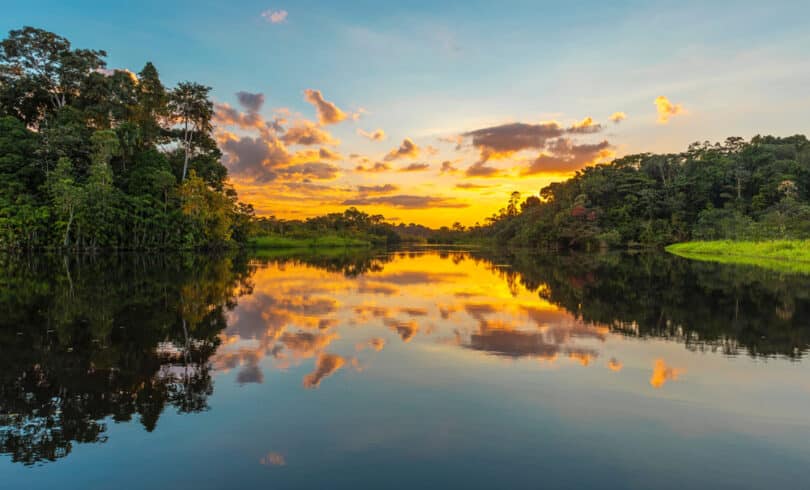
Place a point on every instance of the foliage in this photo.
(758, 189)
(349, 228)
(324, 241)
(98, 159)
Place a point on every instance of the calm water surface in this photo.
(419, 369)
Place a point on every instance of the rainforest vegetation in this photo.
(92, 158)
(738, 190)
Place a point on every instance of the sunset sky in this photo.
(433, 112)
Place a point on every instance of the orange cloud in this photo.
(583, 357)
(415, 167)
(377, 167)
(618, 117)
(448, 167)
(377, 189)
(615, 364)
(408, 149)
(326, 365)
(306, 344)
(273, 459)
(328, 112)
(406, 202)
(406, 330)
(307, 133)
(663, 373)
(376, 135)
(225, 115)
(481, 169)
(565, 156)
(327, 154)
(500, 142)
(667, 109)
(468, 186)
(376, 343)
(585, 125)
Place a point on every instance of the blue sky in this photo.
(424, 70)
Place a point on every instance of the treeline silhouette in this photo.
(732, 190)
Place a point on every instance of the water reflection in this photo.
(84, 340)
(87, 341)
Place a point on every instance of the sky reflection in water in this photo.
(475, 370)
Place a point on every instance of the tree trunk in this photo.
(67, 231)
(187, 136)
(185, 165)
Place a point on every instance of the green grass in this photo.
(779, 255)
(288, 242)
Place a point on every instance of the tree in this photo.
(98, 207)
(19, 173)
(152, 105)
(122, 144)
(512, 207)
(191, 109)
(65, 194)
(39, 72)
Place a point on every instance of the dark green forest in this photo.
(92, 158)
(741, 190)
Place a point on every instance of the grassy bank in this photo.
(779, 255)
(289, 242)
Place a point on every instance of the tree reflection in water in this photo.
(85, 340)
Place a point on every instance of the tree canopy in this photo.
(732, 190)
(92, 158)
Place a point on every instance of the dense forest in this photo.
(92, 158)
(758, 189)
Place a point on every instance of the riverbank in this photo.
(780, 255)
(289, 242)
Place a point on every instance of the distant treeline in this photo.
(351, 223)
(92, 158)
(732, 190)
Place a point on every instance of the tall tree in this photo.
(65, 193)
(192, 111)
(39, 72)
(152, 104)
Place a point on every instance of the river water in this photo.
(421, 368)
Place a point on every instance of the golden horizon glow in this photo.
(292, 167)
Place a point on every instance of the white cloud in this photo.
(274, 16)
